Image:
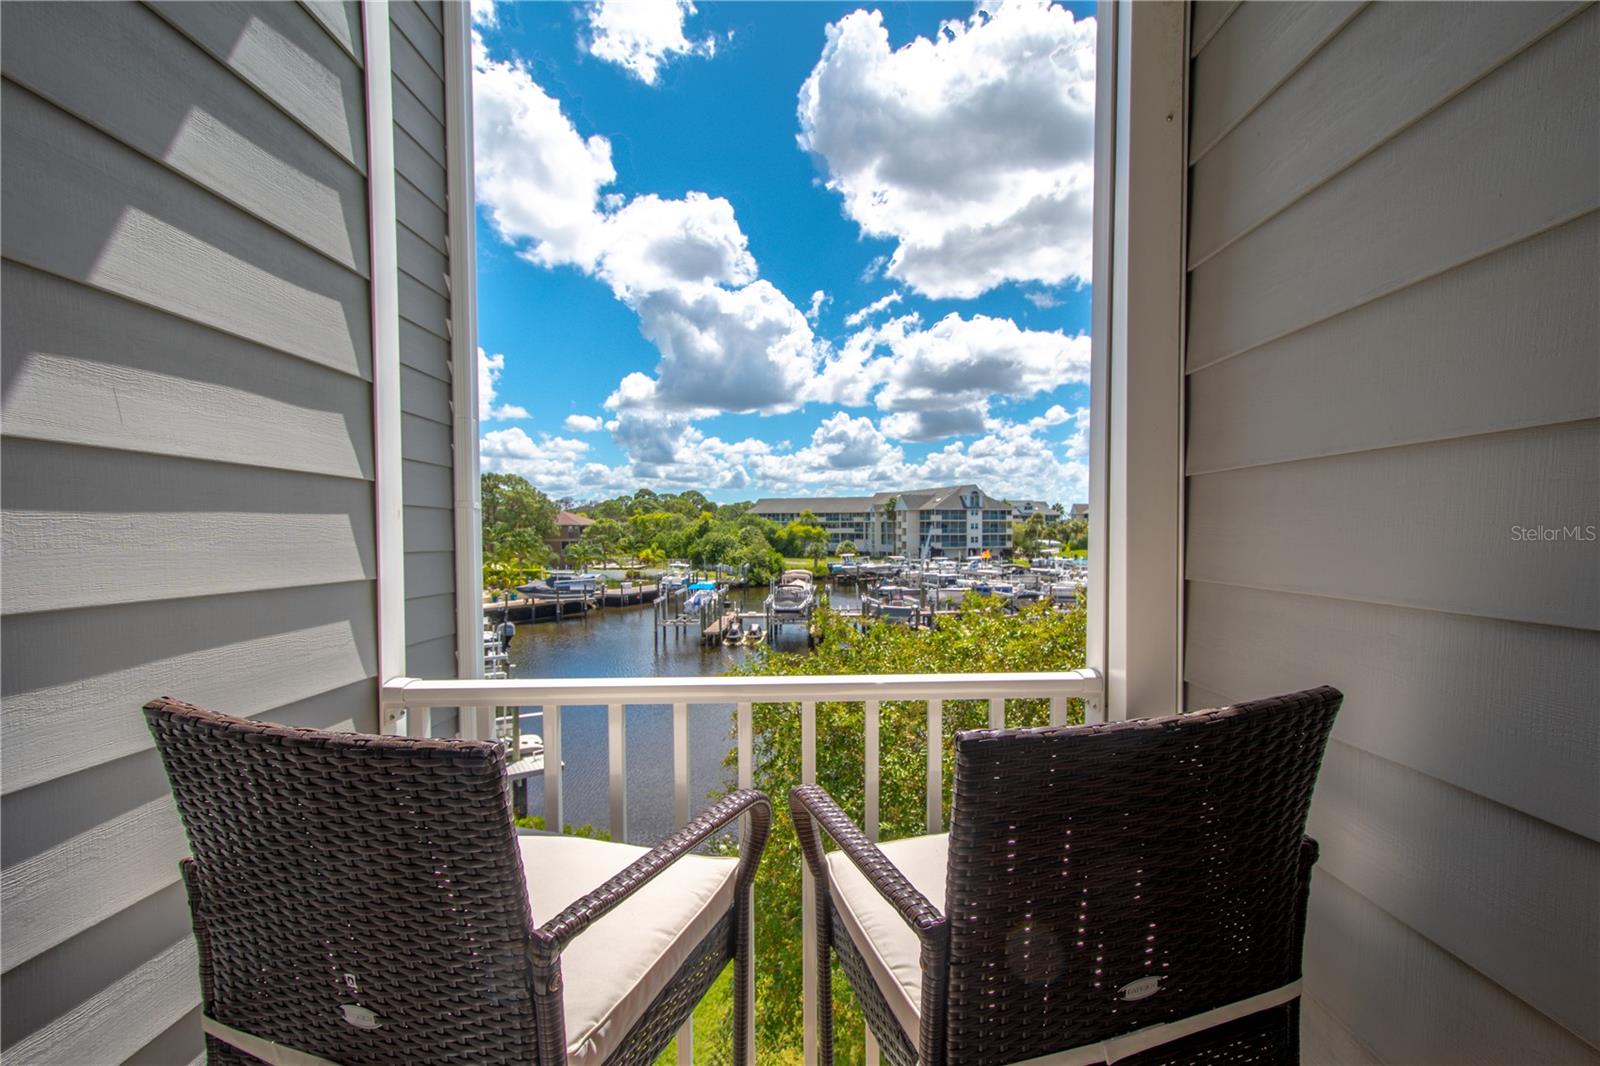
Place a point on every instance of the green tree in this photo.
(847, 548)
(1074, 533)
(799, 537)
(716, 545)
(760, 561)
(605, 536)
(516, 517)
(982, 637)
(1026, 536)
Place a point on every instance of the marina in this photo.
(683, 624)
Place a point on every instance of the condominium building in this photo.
(1022, 510)
(958, 521)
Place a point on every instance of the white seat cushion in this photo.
(613, 970)
(890, 946)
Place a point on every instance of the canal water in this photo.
(622, 642)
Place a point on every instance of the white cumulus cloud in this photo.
(818, 300)
(855, 318)
(642, 35)
(484, 14)
(490, 367)
(974, 151)
(538, 178)
(583, 424)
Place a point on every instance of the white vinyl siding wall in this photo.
(1393, 357)
(188, 456)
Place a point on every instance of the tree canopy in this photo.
(982, 637)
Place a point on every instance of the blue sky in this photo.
(776, 249)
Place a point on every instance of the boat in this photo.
(568, 581)
(733, 635)
(754, 634)
(793, 596)
(702, 594)
(676, 577)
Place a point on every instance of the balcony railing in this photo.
(408, 702)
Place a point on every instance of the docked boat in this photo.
(568, 581)
(754, 634)
(793, 596)
(702, 595)
(676, 577)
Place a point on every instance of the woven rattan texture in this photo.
(894, 1047)
(673, 1006)
(1083, 860)
(335, 869)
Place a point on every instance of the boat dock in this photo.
(562, 606)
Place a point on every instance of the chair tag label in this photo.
(360, 1016)
(1143, 988)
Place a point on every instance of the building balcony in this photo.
(1072, 697)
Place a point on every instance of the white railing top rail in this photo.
(594, 691)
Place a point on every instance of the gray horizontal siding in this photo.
(425, 387)
(1392, 351)
(342, 20)
(86, 367)
(187, 466)
(87, 527)
(191, 114)
(287, 55)
(1411, 198)
(1411, 1002)
(1251, 54)
(1359, 91)
(1429, 362)
(93, 210)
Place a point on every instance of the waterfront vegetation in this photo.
(644, 529)
(982, 637)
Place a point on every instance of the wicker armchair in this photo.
(1132, 893)
(364, 899)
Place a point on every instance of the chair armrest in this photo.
(553, 936)
(813, 810)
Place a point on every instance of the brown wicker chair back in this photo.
(1106, 879)
(355, 897)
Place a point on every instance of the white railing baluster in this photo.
(871, 713)
(414, 697)
(1093, 710)
(617, 760)
(935, 765)
(553, 820)
(744, 740)
(808, 905)
(680, 764)
(680, 817)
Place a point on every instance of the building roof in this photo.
(567, 518)
(905, 500)
(1080, 510)
(830, 504)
